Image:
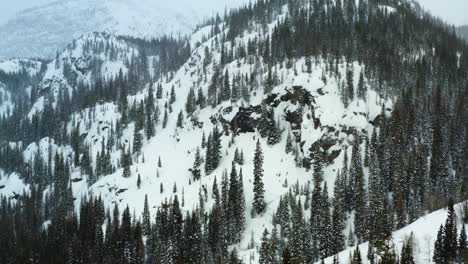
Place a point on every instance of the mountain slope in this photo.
(105, 122)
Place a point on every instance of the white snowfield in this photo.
(424, 233)
(30, 66)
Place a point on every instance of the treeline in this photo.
(51, 231)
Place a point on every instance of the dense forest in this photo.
(414, 156)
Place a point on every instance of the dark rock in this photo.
(294, 118)
(376, 121)
(196, 173)
(121, 191)
(349, 130)
(83, 136)
(298, 95)
(272, 100)
(243, 122)
(327, 143)
(2, 186)
(333, 155)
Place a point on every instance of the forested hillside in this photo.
(285, 131)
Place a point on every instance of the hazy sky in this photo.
(11, 7)
(453, 11)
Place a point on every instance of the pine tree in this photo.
(351, 239)
(317, 209)
(265, 250)
(172, 99)
(149, 114)
(440, 253)
(296, 239)
(286, 256)
(259, 191)
(139, 181)
(126, 163)
(360, 195)
(203, 141)
(338, 225)
(450, 233)
(462, 239)
(198, 160)
(137, 141)
(350, 82)
(289, 147)
(361, 92)
(146, 217)
(235, 207)
(159, 92)
(191, 103)
(165, 118)
(180, 120)
(407, 252)
(357, 259)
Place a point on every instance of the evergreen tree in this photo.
(440, 253)
(462, 239)
(137, 141)
(265, 250)
(361, 90)
(146, 217)
(172, 99)
(126, 161)
(259, 191)
(407, 252)
(165, 118)
(180, 120)
(360, 195)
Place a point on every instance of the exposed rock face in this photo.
(245, 120)
(298, 95)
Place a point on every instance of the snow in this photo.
(32, 67)
(44, 147)
(11, 185)
(80, 58)
(6, 105)
(176, 146)
(387, 9)
(424, 232)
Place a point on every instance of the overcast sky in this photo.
(453, 11)
(11, 7)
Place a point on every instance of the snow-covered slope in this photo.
(323, 119)
(423, 232)
(43, 30)
(307, 106)
(32, 67)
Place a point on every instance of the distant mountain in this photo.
(463, 31)
(40, 31)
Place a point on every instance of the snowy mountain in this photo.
(356, 143)
(41, 31)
